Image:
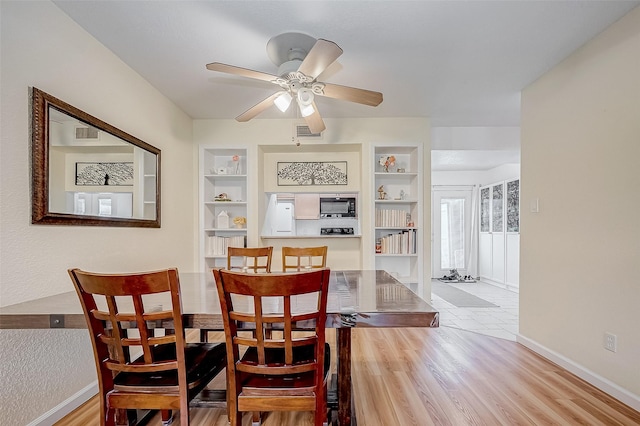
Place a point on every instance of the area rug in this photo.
(459, 298)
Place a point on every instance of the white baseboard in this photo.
(585, 374)
(66, 406)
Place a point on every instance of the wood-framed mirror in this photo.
(87, 172)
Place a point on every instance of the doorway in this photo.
(452, 230)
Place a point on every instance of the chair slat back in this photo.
(304, 258)
(113, 330)
(249, 259)
(270, 299)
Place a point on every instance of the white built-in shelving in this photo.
(150, 187)
(397, 211)
(223, 190)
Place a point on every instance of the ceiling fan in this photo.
(300, 59)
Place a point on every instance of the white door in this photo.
(451, 231)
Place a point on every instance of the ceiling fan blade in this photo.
(352, 94)
(314, 121)
(257, 108)
(321, 55)
(243, 72)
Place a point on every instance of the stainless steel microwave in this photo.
(337, 206)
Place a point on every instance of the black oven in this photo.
(337, 206)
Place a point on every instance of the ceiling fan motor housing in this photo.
(288, 69)
(295, 85)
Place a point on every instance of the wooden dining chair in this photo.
(168, 373)
(287, 374)
(249, 259)
(245, 259)
(303, 258)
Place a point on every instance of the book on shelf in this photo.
(398, 243)
(392, 218)
(217, 245)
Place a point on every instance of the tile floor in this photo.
(498, 322)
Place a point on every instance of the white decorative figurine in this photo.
(223, 220)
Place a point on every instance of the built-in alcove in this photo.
(271, 189)
(309, 215)
(345, 252)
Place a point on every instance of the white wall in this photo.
(476, 177)
(462, 177)
(476, 138)
(500, 173)
(43, 47)
(579, 259)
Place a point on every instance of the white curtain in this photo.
(472, 247)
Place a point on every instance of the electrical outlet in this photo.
(610, 342)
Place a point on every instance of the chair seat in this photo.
(203, 362)
(255, 384)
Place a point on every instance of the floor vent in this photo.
(303, 131)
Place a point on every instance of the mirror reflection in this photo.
(94, 174)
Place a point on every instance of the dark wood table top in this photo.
(356, 299)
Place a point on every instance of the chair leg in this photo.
(321, 413)
(110, 417)
(256, 421)
(204, 336)
(121, 416)
(320, 417)
(234, 416)
(184, 415)
(167, 417)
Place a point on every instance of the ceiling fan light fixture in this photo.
(305, 97)
(306, 110)
(283, 101)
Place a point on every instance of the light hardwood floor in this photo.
(443, 376)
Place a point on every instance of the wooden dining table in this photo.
(357, 298)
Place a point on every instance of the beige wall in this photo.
(579, 255)
(43, 47)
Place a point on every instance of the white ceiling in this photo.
(462, 63)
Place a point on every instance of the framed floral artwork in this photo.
(312, 173)
(104, 174)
